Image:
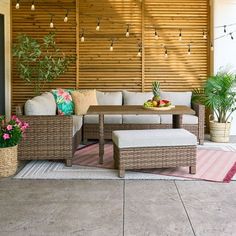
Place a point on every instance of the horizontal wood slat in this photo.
(102, 69)
(36, 24)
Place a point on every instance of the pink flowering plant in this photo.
(11, 132)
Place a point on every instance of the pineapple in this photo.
(156, 91)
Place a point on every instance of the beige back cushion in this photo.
(109, 98)
(83, 99)
(177, 98)
(41, 105)
(136, 98)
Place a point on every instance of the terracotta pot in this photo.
(219, 132)
(8, 161)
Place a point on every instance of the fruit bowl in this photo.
(159, 108)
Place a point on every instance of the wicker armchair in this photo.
(49, 138)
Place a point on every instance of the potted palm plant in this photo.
(39, 63)
(219, 95)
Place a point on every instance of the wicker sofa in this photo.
(54, 137)
(194, 124)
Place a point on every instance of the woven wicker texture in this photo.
(154, 157)
(8, 161)
(48, 138)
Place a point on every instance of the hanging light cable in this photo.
(127, 31)
(66, 17)
(32, 6)
(17, 4)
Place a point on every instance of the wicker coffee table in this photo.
(177, 112)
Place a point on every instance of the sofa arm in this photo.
(200, 112)
(47, 138)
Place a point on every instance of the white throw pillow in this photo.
(41, 105)
(109, 98)
(177, 98)
(136, 98)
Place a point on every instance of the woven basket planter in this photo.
(8, 161)
(219, 132)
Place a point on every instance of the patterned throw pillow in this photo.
(65, 105)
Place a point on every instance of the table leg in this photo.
(177, 121)
(101, 138)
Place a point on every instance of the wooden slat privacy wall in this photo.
(106, 70)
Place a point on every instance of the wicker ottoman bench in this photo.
(154, 148)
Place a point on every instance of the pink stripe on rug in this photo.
(212, 165)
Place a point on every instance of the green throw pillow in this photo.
(65, 105)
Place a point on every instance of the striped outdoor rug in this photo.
(212, 165)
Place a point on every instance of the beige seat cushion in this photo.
(108, 119)
(83, 99)
(187, 119)
(153, 138)
(141, 119)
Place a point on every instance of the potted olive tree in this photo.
(39, 63)
(219, 95)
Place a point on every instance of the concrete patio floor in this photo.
(116, 207)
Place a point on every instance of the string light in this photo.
(225, 29)
(180, 34)
(32, 6)
(17, 4)
(156, 34)
(204, 34)
(166, 53)
(98, 25)
(82, 39)
(51, 23)
(189, 49)
(111, 47)
(127, 31)
(66, 17)
(212, 47)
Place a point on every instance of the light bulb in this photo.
(156, 35)
(82, 38)
(166, 53)
(212, 47)
(231, 36)
(17, 5)
(51, 24)
(189, 51)
(127, 33)
(66, 18)
(204, 35)
(32, 6)
(111, 47)
(180, 36)
(139, 54)
(98, 26)
(225, 29)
